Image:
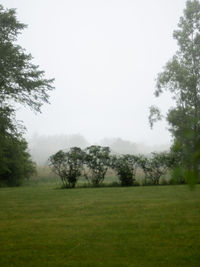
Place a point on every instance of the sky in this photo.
(105, 56)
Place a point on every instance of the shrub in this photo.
(125, 167)
(96, 161)
(68, 166)
(155, 166)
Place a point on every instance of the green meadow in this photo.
(43, 225)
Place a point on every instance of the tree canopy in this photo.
(181, 76)
(67, 165)
(20, 82)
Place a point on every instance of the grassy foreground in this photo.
(137, 226)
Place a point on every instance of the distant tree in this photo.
(125, 166)
(120, 146)
(97, 161)
(181, 77)
(68, 166)
(20, 82)
(155, 166)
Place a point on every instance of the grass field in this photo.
(137, 226)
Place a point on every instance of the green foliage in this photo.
(181, 76)
(16, 164)
(8, 125)
(20, 82)
(68, 166)
(96, 161)
(125, 166)
(155, 166)
(154, 116)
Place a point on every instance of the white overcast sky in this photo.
(104, 56)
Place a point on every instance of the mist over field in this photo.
(97, 166)
(105, 56)
(41, 147)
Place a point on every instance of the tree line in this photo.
(21, 82)
(93, 163)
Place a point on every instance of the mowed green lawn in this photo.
(137, 226)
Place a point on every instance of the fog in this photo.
(41, 147)
(105, 56)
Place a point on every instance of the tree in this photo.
(68, 166)
(155, 166)
(125, 166)
(97, 161)
(181, 76)
(20, 82)
(16, 163)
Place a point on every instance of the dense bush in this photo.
(96, 161)
(68, 166)
(125, 166)
(155, 166)
(16, 164)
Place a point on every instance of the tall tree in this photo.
(181, 76)
(20, 82)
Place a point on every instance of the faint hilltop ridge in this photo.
(145, 149)
(42, 147)
(120, 146)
